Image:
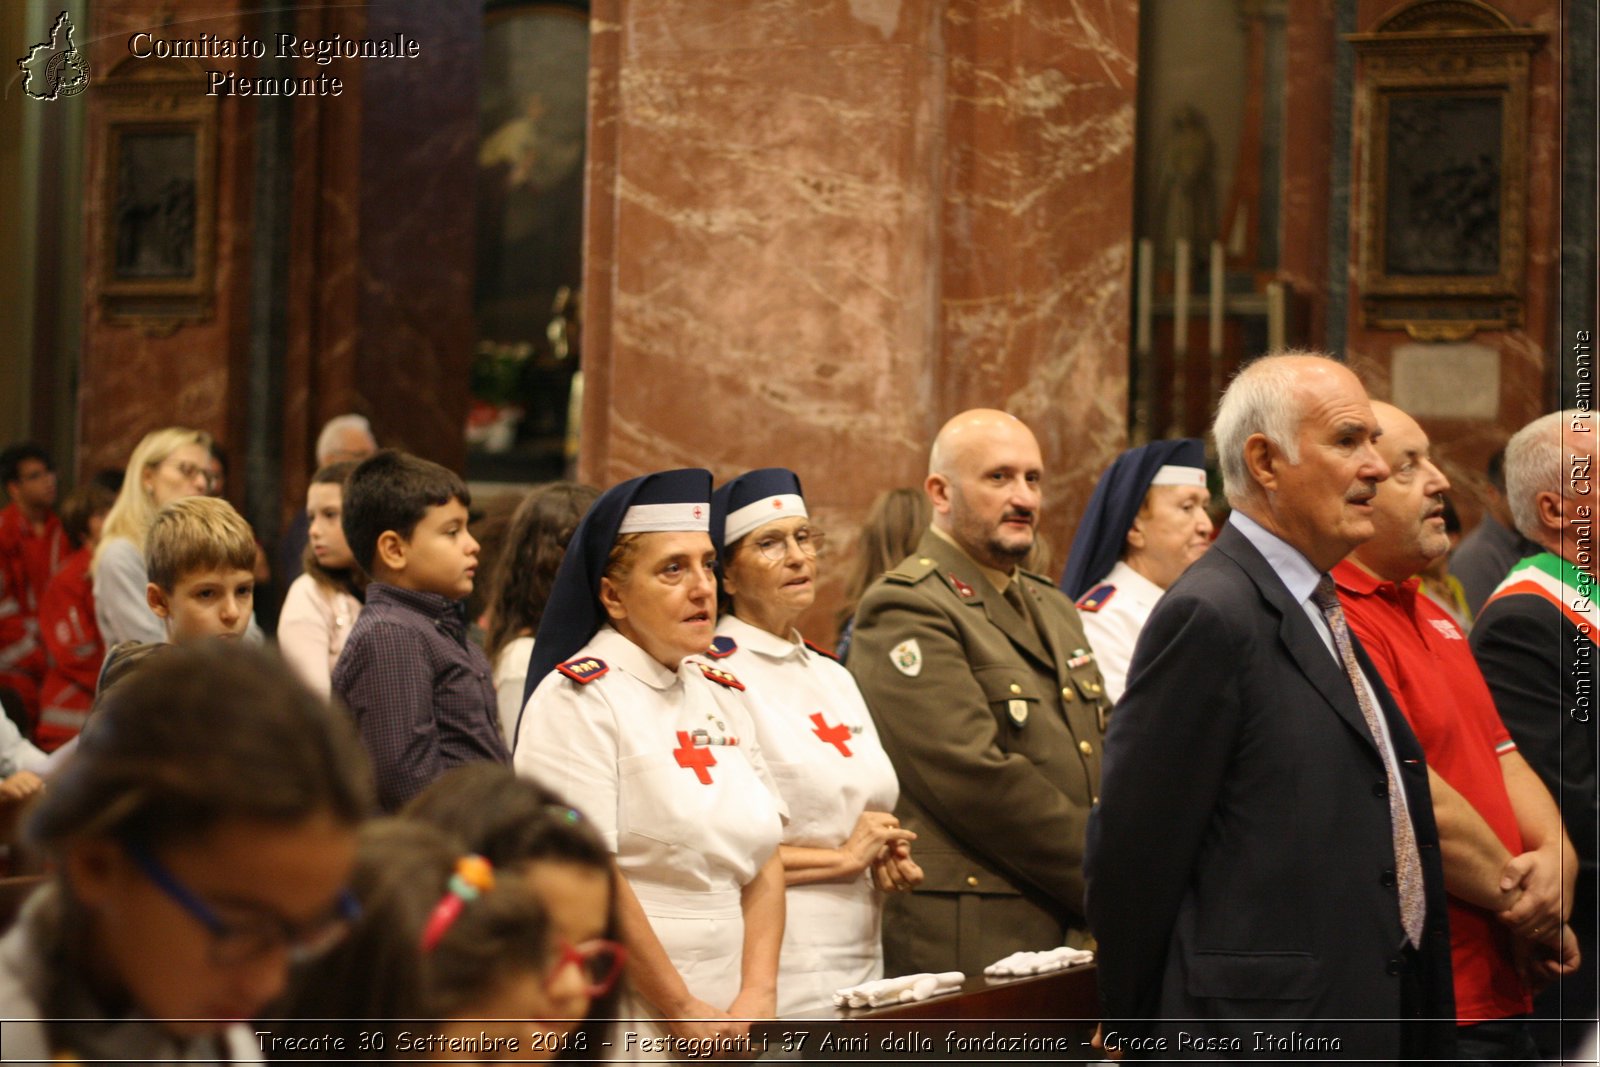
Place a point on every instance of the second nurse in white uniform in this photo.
(841, 847)
(655, 745)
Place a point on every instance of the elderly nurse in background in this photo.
(841, 845)
(654, 744)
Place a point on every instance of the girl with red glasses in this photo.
(527, 831)
(453, 958)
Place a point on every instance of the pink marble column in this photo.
(818, 229)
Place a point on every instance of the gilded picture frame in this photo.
(1443, 104)
(156, 266)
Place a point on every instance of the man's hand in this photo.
(1541, 962)
(1541, 908)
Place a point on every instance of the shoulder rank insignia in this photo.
(819, 650)
(722, 647)
(965, 591)
(721, 677)
(911, 570)
(583, 671)
(1097, 598)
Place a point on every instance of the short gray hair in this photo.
(335, 426)
(1260, 399)
(1533, 466)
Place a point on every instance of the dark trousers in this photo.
(1500, 1041)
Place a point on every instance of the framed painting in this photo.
(533, 115)
(1443, 102)
(157, 192)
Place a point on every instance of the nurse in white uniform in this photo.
(1145, 523)
(653, 742)
(841, 847)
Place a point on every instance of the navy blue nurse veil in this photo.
(573, 614)
(734, 510)
(1103, 530)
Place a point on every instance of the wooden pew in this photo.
(1049, 1016)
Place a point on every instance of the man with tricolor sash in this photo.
(1536, 643)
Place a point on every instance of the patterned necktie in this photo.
(1408, 864)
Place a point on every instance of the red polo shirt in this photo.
(1427, 664)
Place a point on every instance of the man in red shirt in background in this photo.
(32, 548)
(1508, 864)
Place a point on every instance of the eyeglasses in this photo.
(190, 471)
(240, 942)
(775, 546)
(600, 963)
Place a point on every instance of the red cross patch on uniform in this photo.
(837, 736)
(721, 677)
(583, 671)
(1097, 598)
(722, 647)
(694, 758)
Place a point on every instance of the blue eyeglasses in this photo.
(239, 942)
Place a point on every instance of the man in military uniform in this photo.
(991, 708)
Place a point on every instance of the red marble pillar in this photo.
(817, 230)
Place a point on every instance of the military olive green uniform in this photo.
(994, 724)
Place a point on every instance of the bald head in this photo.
(980, 429)
(984, 472)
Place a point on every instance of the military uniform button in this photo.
(972, 880)
(1068, 695)
(1085, 747)
(925, 561)
(1015, 688)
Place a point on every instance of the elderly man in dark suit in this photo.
(989, 704)
(1263, 865)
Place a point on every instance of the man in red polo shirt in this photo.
(1508, 864)
(32, 547)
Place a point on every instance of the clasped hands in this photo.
(1537, 903)
(880, 845)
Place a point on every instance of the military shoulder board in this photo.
(722, 646)
(584, 670)
(1097, 598)
(721, 677)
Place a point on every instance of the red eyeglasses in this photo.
(600, 963)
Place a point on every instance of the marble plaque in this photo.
(1447, 381)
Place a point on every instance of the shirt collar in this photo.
(1352, 577)
(756, 639)
(610, 645)
(1286, 561)
(999, 579)
(432, 605)
(1126, 579)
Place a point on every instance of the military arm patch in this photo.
(722, 647)
(720, 676)
(1097, 598)
(584, 670)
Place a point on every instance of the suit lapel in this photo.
(1299, 636)
(958, 571)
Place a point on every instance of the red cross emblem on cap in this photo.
(832, 735)
(696, 511)
(694, 758)
(777, 504)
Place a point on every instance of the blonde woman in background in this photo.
(166, 465)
